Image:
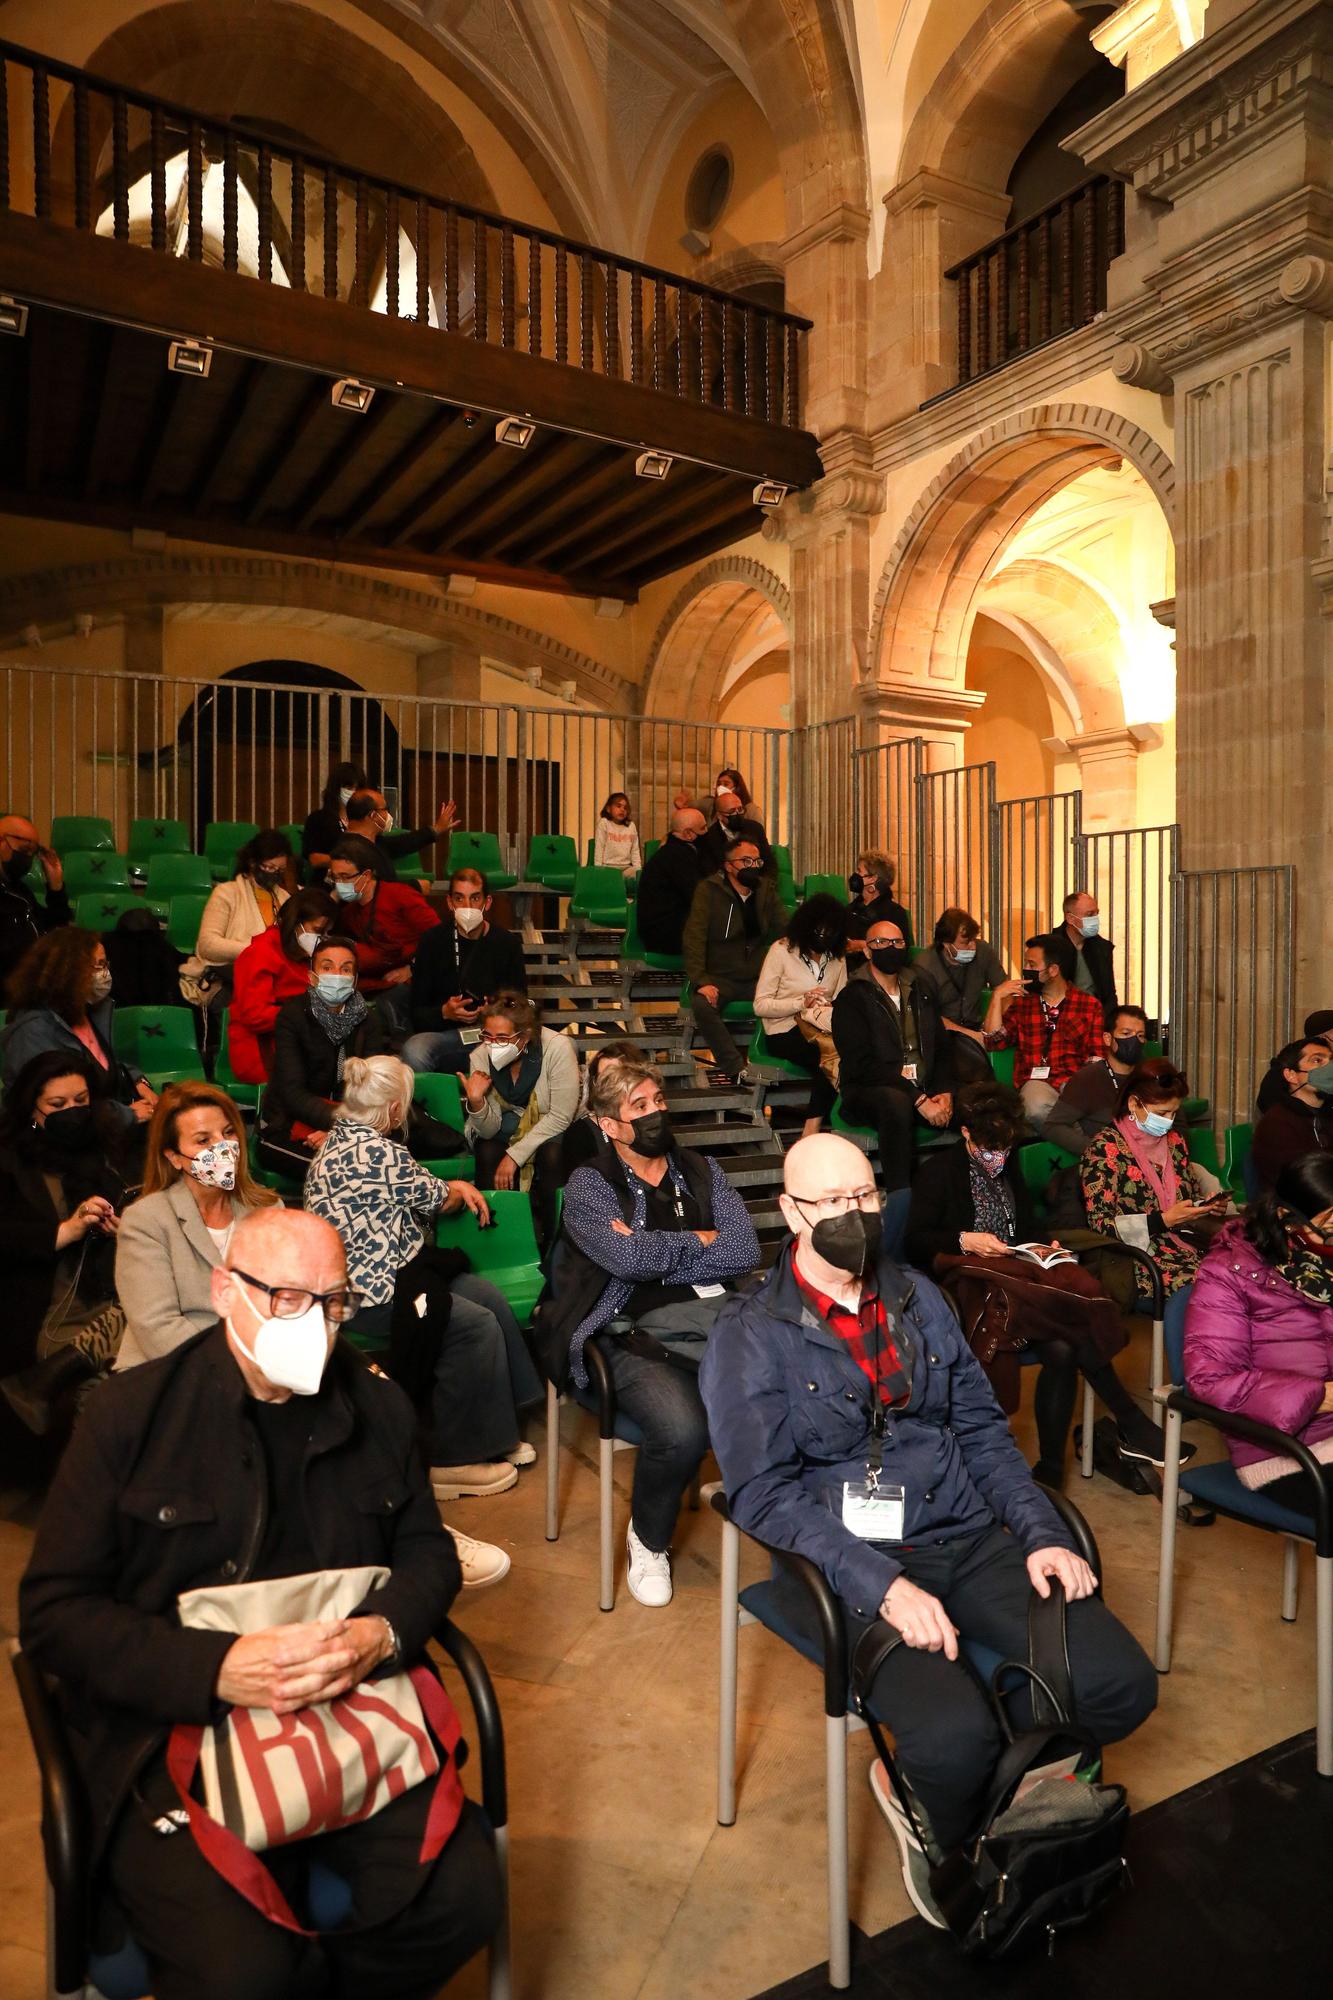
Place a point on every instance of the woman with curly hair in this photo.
(59, 996)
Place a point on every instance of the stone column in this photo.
(940, 716)
(1107, 775)
(931, 223)
(828, 530)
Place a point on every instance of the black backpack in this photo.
(1034, 1866)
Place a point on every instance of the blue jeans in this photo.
(665, 1403)
(440, 1048)
(524, 1381)
(1173, 1329)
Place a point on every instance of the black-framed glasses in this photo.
(288, 1302)
(867, 1201)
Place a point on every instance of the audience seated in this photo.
(958, 966)
(1090, 1099)
(312, 1040)
(366, 816)
(325, 825)
(1094, 971)
(806, 1380)
(616, 844)
(669, 880)
(458, 967)
(1259, 1328)
(388, 919)
(1302, 1121)
(273, 969)
(735, 916)
(103, 1608)
(728, 781)
(197, 1186)
(384, 1206)
(61, 1193)
(22, 918)
(60, 998)
(652, 1233)
(802, 975)
(730, 826)
(970, 1204)
(522, 1094)
(895, 1058)
(1273, 1087)
(237, 912)
(1055, 1028)
(871, 883)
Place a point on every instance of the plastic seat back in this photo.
(158, 1040)
(553, 860)
(179, 875)
(223, 841)
(245, 1094)
(441, 1095)
(1235, 1155)
(78, 833)
(826, 885)
(184, 916)
(599, 897)
(102, 909)
(95, 868)
(1002, 1064)
(157, 836)
(475, 849)
(506, 1253)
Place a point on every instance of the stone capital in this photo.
(928, 189)
(1145, 35)
(915, 708)
(1139, 368)
(841, 224)
(1307, 282)
(1105, 746)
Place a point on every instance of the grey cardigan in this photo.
(165, 1259)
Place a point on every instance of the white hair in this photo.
(372, 1086)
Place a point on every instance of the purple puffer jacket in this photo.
(1253, 1344)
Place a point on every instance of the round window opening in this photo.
(709, 188)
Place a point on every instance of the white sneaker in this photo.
(916, 1866)
(523, 1453)
(481, 1562)
(649, 1576)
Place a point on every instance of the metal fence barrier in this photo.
(824, 797)
(1130, 873)
(886, 813)
(956, 844)
(1234, 949)
(1037, 860)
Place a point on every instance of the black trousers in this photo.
(548, 1175)
(892, 1112)
(205, 1942)
(1293, 1489)
(794, 1048)
(945, 1729)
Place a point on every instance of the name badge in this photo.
(909, 1072)
(709, 1291)
(875, 1514)
(1039, 1073)
(469, 1037)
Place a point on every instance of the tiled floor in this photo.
(624, 1886)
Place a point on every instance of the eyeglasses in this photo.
(867, 1200)
(289, 1303)
(499, 1041)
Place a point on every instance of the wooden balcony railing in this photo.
(100, 157)
(1040, 279)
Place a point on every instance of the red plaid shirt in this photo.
(866, 1333)
(1066, 1039)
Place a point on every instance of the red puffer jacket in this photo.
(1255, 1345)
(264, 978)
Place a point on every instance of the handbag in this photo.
(272, 1779)
(829, 1061)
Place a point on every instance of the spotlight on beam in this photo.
(190, 357)
(517, 432)
(653, 464)
(13, 316)
(349, 394)
(770, 494)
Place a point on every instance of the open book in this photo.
(1042, 1253)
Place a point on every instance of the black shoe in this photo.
(33, 1393)
(1149, 1447)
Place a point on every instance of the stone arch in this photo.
(1068, 616)
(802, 79)
(701, 629)
(954, 537)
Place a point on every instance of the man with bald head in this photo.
(730, 824)
(260, 1449)
(22, 917)
(668, 882)
(854, 1426)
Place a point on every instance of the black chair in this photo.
(760, 1603)
(72, 1965)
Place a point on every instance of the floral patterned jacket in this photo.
(1114, 1187)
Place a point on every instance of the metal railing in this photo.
(824, 801)
(1130, 873)
(81, 150)
(956, 844)
(1037, 863)
(885, 810)
(1233, 953)
(1042, 278)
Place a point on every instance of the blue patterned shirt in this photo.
(378, 1199)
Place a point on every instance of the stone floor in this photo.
(624, 1886)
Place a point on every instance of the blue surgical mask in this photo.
(1156, 1123)
(346, 892)
(1091, 926)
(964, 954)
(1321, 1079)
(335, 987)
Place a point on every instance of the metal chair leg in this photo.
(606, 1596)
(1323, 1656)
(1291, 1579)
(552, 1462)
(839, 1934)
(727, 1657)
(1089, 1413)
(499, 1971)
(1166, 1567)
(1157, 1379)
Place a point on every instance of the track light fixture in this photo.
(770, 493)
(349, 394)
(653, 464)
(517, 432)
(13, 316)
(190, 357)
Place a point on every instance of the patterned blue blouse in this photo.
(378, 1199)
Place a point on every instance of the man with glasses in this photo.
(853, 1425)
(387, 919)
(22, 918)
(253, 1452)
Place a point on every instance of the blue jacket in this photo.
(789, 1418)
(34, 1030)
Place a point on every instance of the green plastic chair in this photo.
(102, 909)
(480, 850)
(599, 898)
(223, 841)
(1202, 1143)
(293, 831)
(782, 856)
(760, 1053)
(77, 834)
(245, 1094)
(634, 952)
(1002, 1063)
(160, 1041)
(505, 1253)
(553, 860)
(732, 1010)
(458, 1167)
(184, 916)
(441, 1095)
(179, 875)
(650, 848)
(96, 868)
(1037, 1163)
(826, 885)
(1235, 1152)
(156, 836)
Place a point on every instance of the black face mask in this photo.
(849, 1242)
(69, 1131)
(1032, 983)
(653, 1135)
(888, 957)
(17, 866)
(856, 883)
(1128, 1048)
(750, 873)
(732, 819)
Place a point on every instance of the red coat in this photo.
(387, 930)
(264, 978)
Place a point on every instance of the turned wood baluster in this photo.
(157, 178)
(194, 200)
(297, 212)
(41, 141)
(391, 274)
(120, 169)
(83, 180)
(330, 233)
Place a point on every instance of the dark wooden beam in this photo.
(40, 357)
(664, 558)
(666, 504)
(102, 410)
(156, 434)
(360, 439)
(698, 504)
(554, 462)
(230, 431)
(312, 408)
(607, 477)
(431, 436)
(465, 472)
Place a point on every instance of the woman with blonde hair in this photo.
(197, 1186)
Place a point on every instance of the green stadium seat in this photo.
(94, 868)
(553, 860)
(781, 854)
(480, 850)
(160, 1041)
(1235, 1152)
(1037, 1163)
(634, 952)
(732, 1010)
(102, 909)
(826, 885)
(184, 916)
(505, 1253)
(156, 836)
(80, 834)
(599, 898)
(760, 1054)
(244, 1094)
(1002, 1063)
(292, 832)
(179, 875)
(223, 841)
(458, 1167)
(649, 849)
(441, 1095)
(1202, 1142)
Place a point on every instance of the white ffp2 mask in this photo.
(289, 1353)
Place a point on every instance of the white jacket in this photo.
(230, 922)
(556, 1095)
(784, 981)
(617, 846)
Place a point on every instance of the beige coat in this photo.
(164, 1271)
(784, 981)
(230, 922)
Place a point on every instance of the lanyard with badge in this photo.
(678, 1203)
(872, 1508)
(1041, 1072)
